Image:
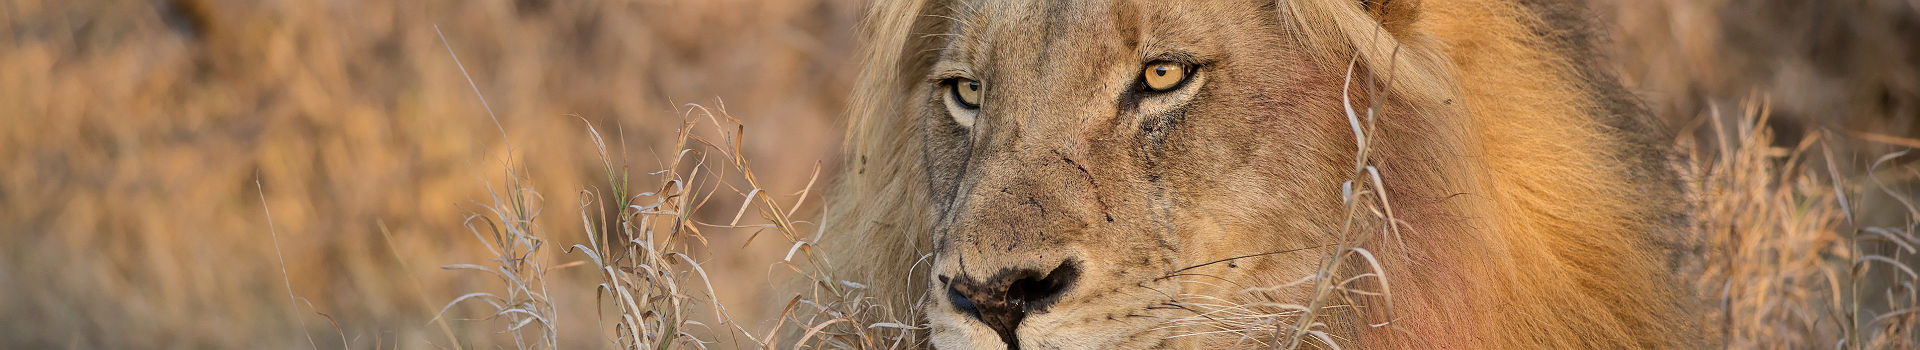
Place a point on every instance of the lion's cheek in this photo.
(1117, 318)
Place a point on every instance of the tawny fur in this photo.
(1540, 214)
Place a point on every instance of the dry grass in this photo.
(643, 248)
(1794, 255)
(131, 133)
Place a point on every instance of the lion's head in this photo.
(1060, 174)
(1078, 155)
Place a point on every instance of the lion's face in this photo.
(1088, 160)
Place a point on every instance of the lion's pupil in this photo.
(1161, 70)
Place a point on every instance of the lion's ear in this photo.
(1397, 16)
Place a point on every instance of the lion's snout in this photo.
(1004, 299)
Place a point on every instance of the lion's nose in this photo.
(1003, 300)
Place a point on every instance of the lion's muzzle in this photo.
(1004, 299)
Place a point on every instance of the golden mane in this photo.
(1538, 229)
(870, 228)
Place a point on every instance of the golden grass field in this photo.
(143, 144)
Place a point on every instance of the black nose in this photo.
(1006, 298)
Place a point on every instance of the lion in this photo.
(1041, 174)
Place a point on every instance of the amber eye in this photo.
(967, 92)
(1163, 76)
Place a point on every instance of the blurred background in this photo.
(133, 132)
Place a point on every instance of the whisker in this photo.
(1283, 251)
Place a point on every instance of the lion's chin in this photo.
(1066, 328)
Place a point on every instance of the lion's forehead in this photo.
(1049, 40)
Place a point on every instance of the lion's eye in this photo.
(1163, 76)
(966, 92)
